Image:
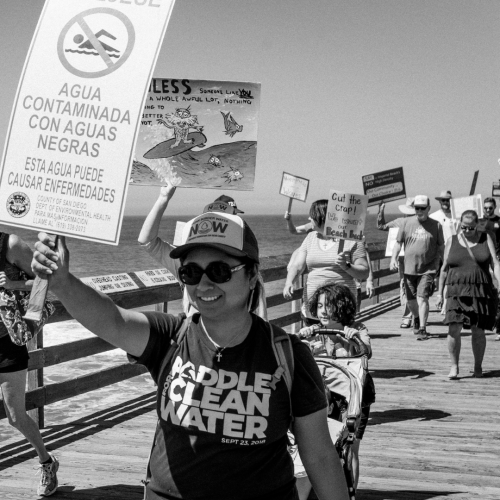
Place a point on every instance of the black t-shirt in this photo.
(222, 432)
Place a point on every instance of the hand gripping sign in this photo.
(69, 148)
(345, 216)
(294, 187)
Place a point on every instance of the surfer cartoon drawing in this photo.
(181, 121)
(230, 124)
(215, 161)
(232, 175)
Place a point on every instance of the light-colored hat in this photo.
(445, 195)
(421, 201)
(407, 208)
(226, 232)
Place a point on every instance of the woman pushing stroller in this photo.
(335, 307)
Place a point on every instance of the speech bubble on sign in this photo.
(345, 215)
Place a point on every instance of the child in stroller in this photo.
(335, 307)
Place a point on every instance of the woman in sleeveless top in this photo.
(16, 258)
(469, 289)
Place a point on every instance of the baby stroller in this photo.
(344, 379)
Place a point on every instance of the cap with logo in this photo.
(226, 232)
(445, 195)
(421, 200)
(407, 208)
(224, 204)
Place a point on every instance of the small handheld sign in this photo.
(345, 216)
(391, 241)
(294, 187)
(459, 205)
(384, 186)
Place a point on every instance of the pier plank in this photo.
(428, 438)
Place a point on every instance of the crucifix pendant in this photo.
(219, 355)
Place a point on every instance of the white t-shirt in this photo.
(449, 225)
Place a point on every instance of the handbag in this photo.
(14, 303)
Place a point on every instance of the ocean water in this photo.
(95, 259)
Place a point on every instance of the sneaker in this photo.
(416, 325)
(48, 480)
(423, 334)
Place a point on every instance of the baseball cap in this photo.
(445, 195)
(421, 201)
(229, 201)
(407, 208)
(226, 232)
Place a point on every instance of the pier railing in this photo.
(273, 270)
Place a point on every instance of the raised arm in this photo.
(295, 267)
(304, 229)
(151, 225)
(128, 330)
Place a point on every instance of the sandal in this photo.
(406, 323)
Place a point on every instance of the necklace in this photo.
(220, 349)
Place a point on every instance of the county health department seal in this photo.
(18, 204)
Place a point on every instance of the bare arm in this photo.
(295, 267)
(319, 456)
(151, 225)
(370, 289)
(443, 274)
(395, 255)
(128, 330)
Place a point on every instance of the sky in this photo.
(349, 88)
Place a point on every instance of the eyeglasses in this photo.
(489, 208)
(218, 272)
(422, 209)
(466, 229)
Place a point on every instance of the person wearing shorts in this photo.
(424, 244)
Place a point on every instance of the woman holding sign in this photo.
(324, 262)
(223, 403)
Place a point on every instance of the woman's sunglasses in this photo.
(466, 229)
(218, 272)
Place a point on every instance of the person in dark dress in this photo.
(470, 294)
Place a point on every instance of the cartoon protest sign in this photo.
(459, 205)
(69, 148)
(385, 186)
(198, 134)
(294, 187)
(345, 215)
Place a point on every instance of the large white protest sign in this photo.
(459, 205)
(69, 148)
(346, 215)
(294, 187)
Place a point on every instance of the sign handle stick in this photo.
(474, 182)
(341, 246)
(38, 294)
(290, 205)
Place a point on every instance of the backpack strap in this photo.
(175, 343)
(283, 352)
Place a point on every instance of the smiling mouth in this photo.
(209, 299)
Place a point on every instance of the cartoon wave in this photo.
(89, 53)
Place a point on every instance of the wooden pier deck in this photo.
(428, 437)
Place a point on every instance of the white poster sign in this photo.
(391, 241)
(156, 277)
(111, 283)
(346, 215)
(459, 205)
(294, 187)
(70, 144)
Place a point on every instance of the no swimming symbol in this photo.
(96, 42)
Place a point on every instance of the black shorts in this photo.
(13, 358)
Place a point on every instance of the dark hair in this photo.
(339, 301)
(490, 200)
(469, 214)
(317, 212)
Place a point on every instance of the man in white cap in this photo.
(409, 211)
(443, 216)
(424, 245)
